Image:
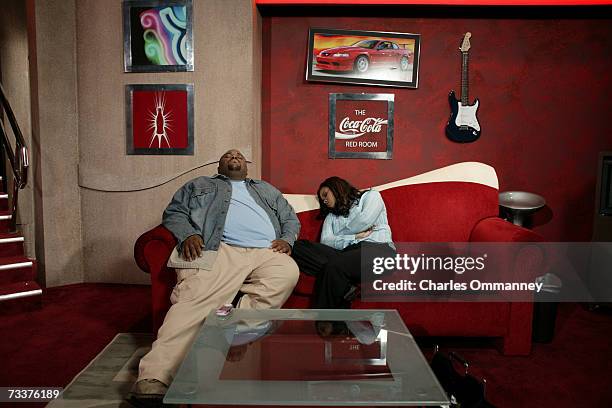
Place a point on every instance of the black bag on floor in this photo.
(463, 389)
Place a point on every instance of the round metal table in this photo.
(518, 206)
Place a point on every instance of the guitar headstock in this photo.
(465, 44)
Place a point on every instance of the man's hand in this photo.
(192, 247)
(364, 234)
(279, 245)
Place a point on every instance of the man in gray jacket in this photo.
(234, 234)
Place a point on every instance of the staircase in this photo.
(18, 288)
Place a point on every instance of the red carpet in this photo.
(574, 370)
(49, 347)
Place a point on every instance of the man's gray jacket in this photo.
(200, 207)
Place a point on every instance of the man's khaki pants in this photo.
(266, 278)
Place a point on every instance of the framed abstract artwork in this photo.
(157, 35)
(361, 126)
(363, 57)
(159, 119)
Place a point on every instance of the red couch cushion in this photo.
(438, 212)
(305, 285)
(311, 225)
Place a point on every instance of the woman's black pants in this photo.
(336, 272)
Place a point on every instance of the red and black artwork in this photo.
(159, 119)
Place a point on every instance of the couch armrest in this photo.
(148, 260)
(151, 252)
(527, 261)
(494, 229)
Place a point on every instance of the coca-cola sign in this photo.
(361, 126)
(350, 129)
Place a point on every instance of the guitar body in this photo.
(462, 126)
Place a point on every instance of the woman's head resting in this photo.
(337, 196)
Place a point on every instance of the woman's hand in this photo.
(364, 234)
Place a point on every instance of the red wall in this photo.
(544, 87)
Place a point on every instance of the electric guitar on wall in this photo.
(463, 126)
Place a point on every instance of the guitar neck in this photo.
(464, 78)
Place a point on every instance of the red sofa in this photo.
(458, 203)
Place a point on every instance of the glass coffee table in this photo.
(306, 358)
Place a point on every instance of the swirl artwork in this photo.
(160, 37)
(164, 35)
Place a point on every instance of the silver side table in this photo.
(518, 206)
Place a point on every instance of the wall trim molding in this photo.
(104, 182)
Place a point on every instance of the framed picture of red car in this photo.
(159, 119)
(363, 57)
(361, 126)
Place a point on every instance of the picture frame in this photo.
(361, 126)
(158, 35)
(604, 186)
(159, 119)
(363, 57)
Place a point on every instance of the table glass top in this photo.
(306, 357)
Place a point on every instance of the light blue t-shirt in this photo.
(339, 231)
(247, 224)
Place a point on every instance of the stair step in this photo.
(20, 297)
(14, 262)
(11, 244)
(4, 201)
(17, 269)
(19, 290)
(5, 221)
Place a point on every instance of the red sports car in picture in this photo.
(363, 55)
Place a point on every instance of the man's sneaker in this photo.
(148, 393)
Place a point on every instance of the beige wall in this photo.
(122, 196)
(56, 143)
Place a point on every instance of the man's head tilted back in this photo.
(233, 165)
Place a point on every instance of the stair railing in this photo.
(19, 157)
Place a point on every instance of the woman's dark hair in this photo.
(345, 193)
